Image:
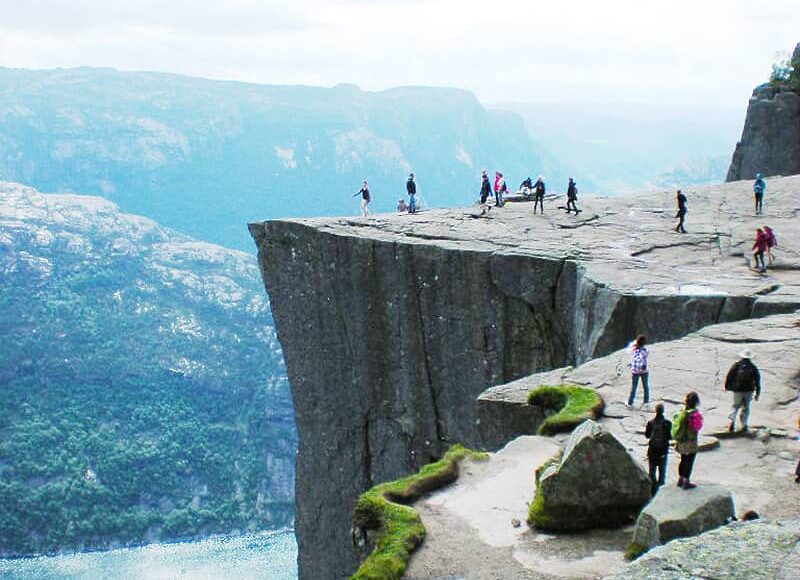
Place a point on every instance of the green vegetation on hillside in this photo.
(570, 406)
(142, 394)
(786, 73)
(400, 529)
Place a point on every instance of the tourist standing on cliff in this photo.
(411, 188)
(758, 190)
(639, 370)
(759, 249)
(686, 427)
(538, 194)
(572, 196)
(743, 380)
(681, 215)
(499, 188)
(365, 198)
(486, 191)
(772, 241)
(658, 431)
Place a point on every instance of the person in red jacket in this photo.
(759, 248)
(772, 241)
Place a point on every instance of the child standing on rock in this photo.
(686, 428)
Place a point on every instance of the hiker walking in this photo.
(572, 196)
(772, 241)
(758, 192)
(365, 198)
(681, 215)
(759, 249)
(659, 432)
(538, 194)
(686, 427)
(411, 188)
(743, 380)
(639, 370)
(486, 191)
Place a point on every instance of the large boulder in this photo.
(758, 550)
(595, 484)
(679, 513)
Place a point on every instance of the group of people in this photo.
(765, 238)
(743, 381)
(528, 188)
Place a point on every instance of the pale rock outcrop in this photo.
(596, 482)
(757, 550)
(680, 513)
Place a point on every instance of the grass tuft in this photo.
(400, 527)
(571, 405)
(634, 550)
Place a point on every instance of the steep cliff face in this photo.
(392, 326)
(770, 142)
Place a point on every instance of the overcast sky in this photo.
(704, 51)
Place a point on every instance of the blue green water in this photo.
(271, 556)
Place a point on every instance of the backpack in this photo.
(741, 377)
(680, 426)
(659, 435)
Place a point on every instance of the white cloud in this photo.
(709, 51)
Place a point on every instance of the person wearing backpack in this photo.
(758, 192)
(538, 194)
(659, 432)
(639, 370)
(744, 381)
(686, 427)
(572, 196)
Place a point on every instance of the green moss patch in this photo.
(400, 529)
(634, 550)
(570, 406)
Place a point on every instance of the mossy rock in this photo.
(399, 527)
(567, 406)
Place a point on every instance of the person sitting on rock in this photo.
(758, 193)
(401, 206)
(681, 215)
(658, 431)
(686, 427)
(743, 380)
(526, 186)
(639, 370)
(759, 249)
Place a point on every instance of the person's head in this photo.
(659, 410)
(679, 192)
(411, 176)
(767, 229)
(364, 183)
(484, 173)
(640, 341)
(745, 353)
(692, 400)
(540, 178)
(571, 180)
(758, 176)
(759, 232)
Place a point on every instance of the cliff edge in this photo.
(770, 142)
(393, 325)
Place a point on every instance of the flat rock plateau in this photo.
(395, 325)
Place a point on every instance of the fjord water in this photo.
(268, 556)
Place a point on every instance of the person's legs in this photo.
(687, 471)
(737, 403)
(745, 413)
(681, 470)
(634, 384)
(652, 464)
(412, 204)
(646, 387)
(662, 468)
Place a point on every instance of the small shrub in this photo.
(571, 405)
(400, 527)
(634, 550)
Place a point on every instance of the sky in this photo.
(698, 51)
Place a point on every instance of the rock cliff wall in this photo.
(770, 142)
(392, 327)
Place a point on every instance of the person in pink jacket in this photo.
(759, 248)
(687, 437)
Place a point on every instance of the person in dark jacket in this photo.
(744, 381)
(572, 196)
(758, 193)
(538, 194)
(658, 431)
(486, 191)
(681, 215)
(411, 188)
(365, 198)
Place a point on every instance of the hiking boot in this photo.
(688, 484)
(745, 429)
(680, 482)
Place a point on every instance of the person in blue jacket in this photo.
(758, 190)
